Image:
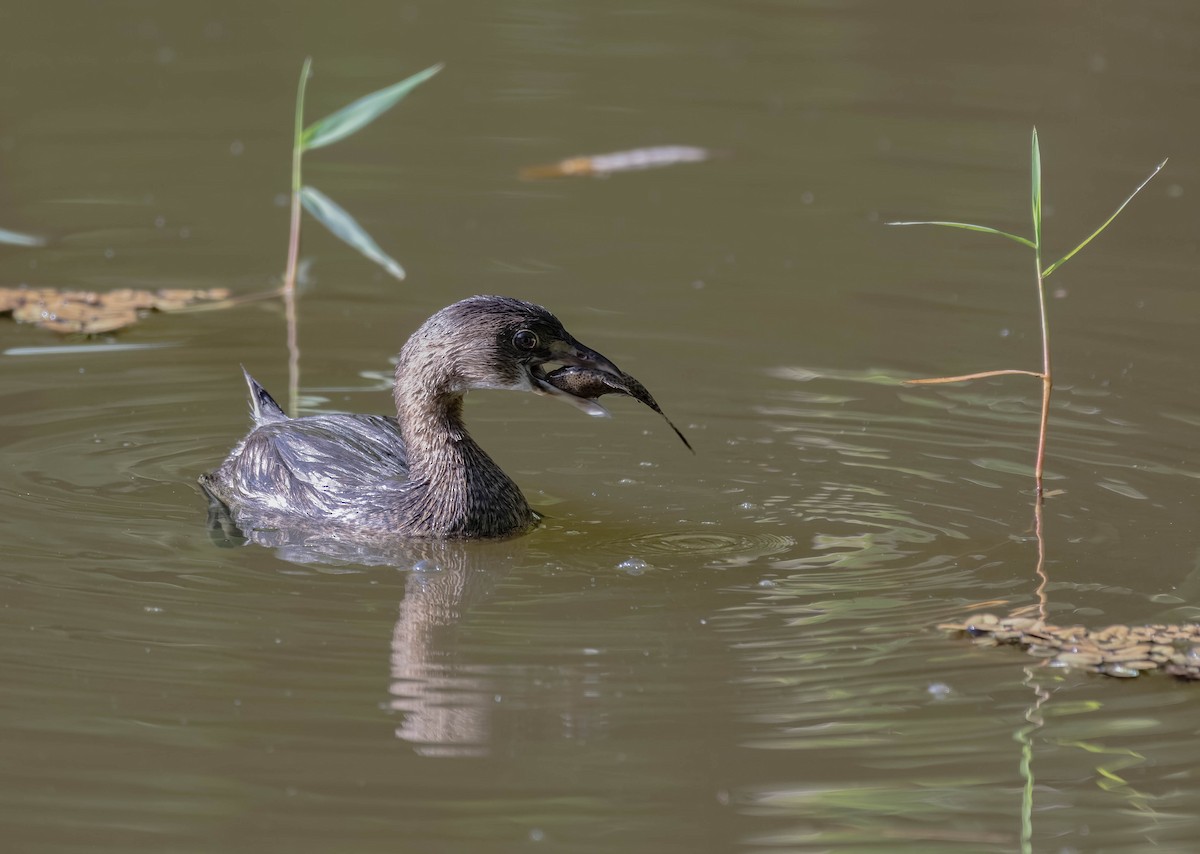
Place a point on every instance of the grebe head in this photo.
(496, 342)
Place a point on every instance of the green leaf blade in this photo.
(346, 228)
(1024, 241)
(298, 123)
(1036, 170)
(16, 238)
(1105, 224)
(353, 117)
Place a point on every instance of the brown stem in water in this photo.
(293, 253)
(1047, 382)
(293, 345)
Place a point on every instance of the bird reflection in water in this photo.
(447, 701)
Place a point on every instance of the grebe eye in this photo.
(525, 340)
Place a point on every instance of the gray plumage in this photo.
(419, 474)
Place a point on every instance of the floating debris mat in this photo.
(1118, 650)
(91, 312)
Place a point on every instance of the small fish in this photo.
(590, 384)
(600, 165)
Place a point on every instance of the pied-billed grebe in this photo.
(419, 474)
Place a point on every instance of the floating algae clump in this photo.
(1117, 650)
(92, 312)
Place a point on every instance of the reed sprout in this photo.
(1041, 272)
(333, 128)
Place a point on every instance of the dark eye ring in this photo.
(525, 340)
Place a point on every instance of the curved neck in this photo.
(457, 489)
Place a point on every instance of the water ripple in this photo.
(709, 544)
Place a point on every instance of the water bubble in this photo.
(633, 566)
(938, 690)
(426, 565)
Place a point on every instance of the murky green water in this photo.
(726, 652)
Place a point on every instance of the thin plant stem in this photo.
(293, 345)
(1033, 714)
(293, 256)
(1047, 377)
(1047, 383)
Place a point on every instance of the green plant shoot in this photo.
(334, 217)
(1036, 245)
(353, 117)
(334, 127)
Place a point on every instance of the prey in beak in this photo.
(585, 375)
(567, 353)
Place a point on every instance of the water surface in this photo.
(728, 652)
